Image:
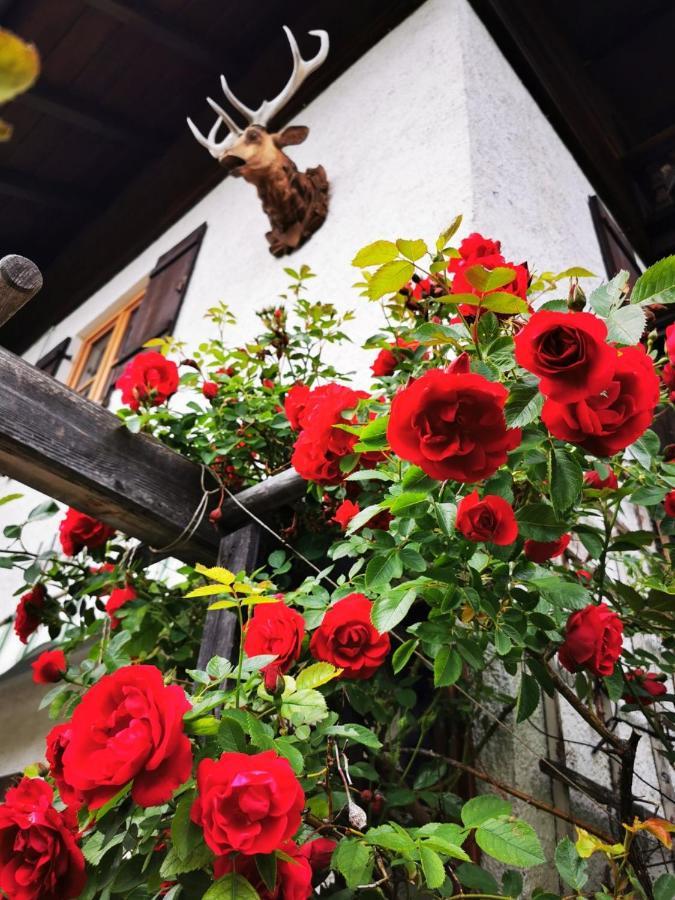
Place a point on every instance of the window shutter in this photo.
(615, 247)
(51, 361)
(164, 295)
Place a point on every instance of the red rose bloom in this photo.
(643, 687)
(129, 726)
(294, 879)
(39, 856)
(78, 530)
(49, 667)
(28, 616)
(669, 504)
(318, 852)
(584, 575)
(569, 353)
(148, 378)
(118, 598)
(490, 519)
(608, 422)
(348, 639)
(670, 342)
(294, 405)
(668, 378)
(593, 640)
(452, 425)
(475, 246)
(593, 480)
(275, 629)
(541, 551)
(210, 390)
(320, 446)
(347, 510)
(57, 741)
(249, 804)
(387, 360)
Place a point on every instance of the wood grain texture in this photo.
(239, 551)
(20, 280)
(55, 441)
(262, 499)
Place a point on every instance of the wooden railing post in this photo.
(20, 280)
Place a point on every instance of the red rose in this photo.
(643, 687)
(387, 360)
(593, 640)
(39, 856)
(148, 378)
(57, 741)
(49, 667)
(28, 616)
(275, 629)
(129, 726)
(247, 803)
(78, 530)
(452, 425)
(490, 519)
(118, 598)
(593, 480)
(670, 342)
(475, 246)
(347, 510)
(608, 422)
(320, 446)
(294, 879)
(569, 353)
(541, 551)
(348, 639)
(668, 378)
(318, 852)
(584, 575)
(294, 405)
(669, 504)
(210, 390)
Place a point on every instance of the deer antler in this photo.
(268, 108)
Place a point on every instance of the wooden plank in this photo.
(239, 551)
(20, 280)
(263, 498)
(55, 441)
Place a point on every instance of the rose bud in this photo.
(210, 390)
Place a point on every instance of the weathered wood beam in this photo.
(261, 499)
(35, 190)
(20, 280)
(55, 441)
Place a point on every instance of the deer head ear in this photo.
(294, 134)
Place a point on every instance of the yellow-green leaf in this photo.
(216, 573)
(207, 590)
(315, 675)
(19, 65)
(375, 254)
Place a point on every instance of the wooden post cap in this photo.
(20, 280)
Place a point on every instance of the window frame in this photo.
(117, 323)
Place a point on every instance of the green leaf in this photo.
(480, 809)
(391, 609)
(664, 887)
(404, 501)
(231, 887)
(645, 449)
(510, 841)
(648, 495)
(477, 879)
(656, 284)
(219, 668)
(352, 859)
(571, 867)
(390, 839)
(503, 302)
(316, 675)
(559, 592)
(447, 667)
(412, 249)
(304, 708)
(184, 833)
(512, 883)
(432, 867)
(375, 254)
(528, 698)
(231, 737)
(389, 278)
(266, 864)
(362, 517)
(354, 732)
(445, 236)
(402, 654)
(626, 325)
(382, 568)
(485, 280)
(539, 522)
(608, 296)
(198, 856)
(43, 511)
(523, 405)
(567, 479)
(574, 272)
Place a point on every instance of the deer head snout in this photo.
(253, 150)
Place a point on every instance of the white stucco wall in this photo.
(431, 122)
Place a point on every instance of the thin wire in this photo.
(196, 518)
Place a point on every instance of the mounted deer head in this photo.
(295, 202)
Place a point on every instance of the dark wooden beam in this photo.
(261, 499)
(155, 25)
(53, 440)
(74, 111)
(44, 193)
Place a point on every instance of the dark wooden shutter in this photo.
(164, 295)
(615, 247)
(51, 361)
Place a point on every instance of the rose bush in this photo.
(467, 544)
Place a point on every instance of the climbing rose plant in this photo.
(467, 544)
